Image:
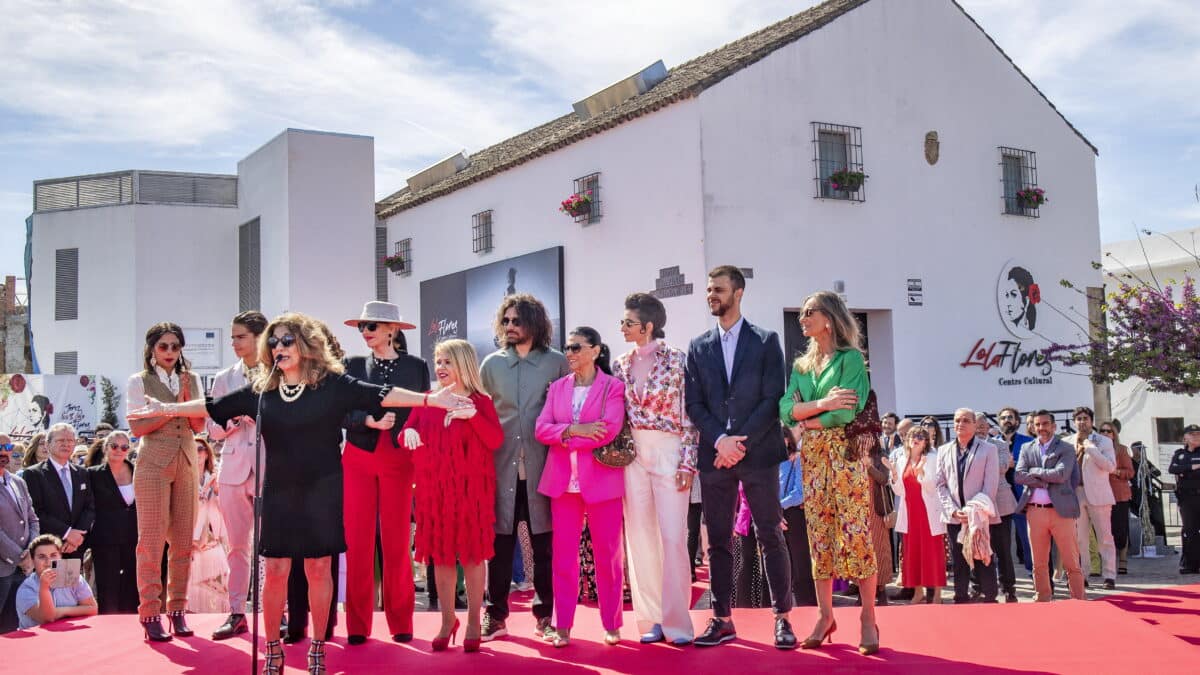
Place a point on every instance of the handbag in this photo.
(889, 507)
(618, 453)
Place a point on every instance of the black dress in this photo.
(302, 482)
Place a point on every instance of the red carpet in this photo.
(1175, 609)
(1061, 637)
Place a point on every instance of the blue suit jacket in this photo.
(749, 403)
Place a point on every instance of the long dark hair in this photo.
(153, 335)
(533, 316)
(593, 339)
(1023, 279)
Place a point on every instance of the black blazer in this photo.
(116, 522)
(50, 501)
(750, 403)
(410, 372)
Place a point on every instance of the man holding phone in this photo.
(44, 597)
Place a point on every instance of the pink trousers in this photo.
(604, 524)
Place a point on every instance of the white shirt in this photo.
(578, 398)
(1042, 495)
(135, 391)
(729, 340)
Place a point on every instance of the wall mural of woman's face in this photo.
(1012, 302)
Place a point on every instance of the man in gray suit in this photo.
(967, 468)
(1050, 473)
(18, 526)
(517, 376)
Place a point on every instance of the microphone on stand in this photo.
(256, 606)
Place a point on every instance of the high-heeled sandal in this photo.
(561, 638)
(440, 643)
(273, 663)
(869, 649)
(316, 657)
(612, 637)
(178, 624)
(154, 629)
(814, 643)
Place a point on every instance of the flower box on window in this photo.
(577, 205)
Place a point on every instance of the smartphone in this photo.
(68, 572)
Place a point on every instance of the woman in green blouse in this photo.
(828, 387)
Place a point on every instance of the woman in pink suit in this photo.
(583, 411)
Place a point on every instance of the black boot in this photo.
(234, 625)
(178, 625)
(154, 630)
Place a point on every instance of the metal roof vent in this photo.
(615, 95)
(439, 171)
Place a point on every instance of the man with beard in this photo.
(517, 377)
(18, 526)
(1010, 421)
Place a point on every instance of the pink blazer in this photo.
(597, 482)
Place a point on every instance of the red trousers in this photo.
(378, 491)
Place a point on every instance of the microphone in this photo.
(278, 358)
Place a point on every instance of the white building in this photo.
(726, 159)
(1155, 418)
(113, 254)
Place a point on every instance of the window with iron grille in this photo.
(481, 231)
(589, 185)
(838, 162)
(66, 363)
(1018, 171)
(404, 250)
(381, 290)
(66, 284)
(249, 266)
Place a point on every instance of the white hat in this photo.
(382, 312)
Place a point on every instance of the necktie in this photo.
(65, 473)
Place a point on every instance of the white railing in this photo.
(134, 187)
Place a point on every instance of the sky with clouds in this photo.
(88, 87)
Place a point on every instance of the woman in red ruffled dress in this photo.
(456, 486)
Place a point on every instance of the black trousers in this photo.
(8, 600)
(804, 592)
(1002, 554)
(500, 567)
(962, 570)
(1120, 525)
(719, 494)
(297, 599)
(116, 579)
(693, 537)
(1189, 514)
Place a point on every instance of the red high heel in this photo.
(440, 643)
(471, 644)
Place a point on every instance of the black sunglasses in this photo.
(1106, 431)
(287, 341)
(515, 322)
(809, 312)
(628, 323)
(367, 325)
(575, 347)
(114, 446)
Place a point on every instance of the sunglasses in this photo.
(809, 312)
(931, 425)
(286, 341)
(5, 447)
(514, 322)
(119, 447)
(921, 436)
(364, 326)
(1106, 431)
(575, 347)
(1008, 417)
(168, 347)
(628, 323)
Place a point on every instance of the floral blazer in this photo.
(660, 406)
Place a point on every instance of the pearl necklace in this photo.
(383, 366)
(290, 392)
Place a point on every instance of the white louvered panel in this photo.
(381, 289)
(161, 188)
(51, 196)
(66, 363)
(66, 284)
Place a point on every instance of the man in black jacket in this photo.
(735, 378)
(1185, 466)
(59, 490)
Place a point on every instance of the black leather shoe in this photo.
(179, 625)
(718, 632)
(154, 630)
(234, 625)
(1010, 596)
(291, 638)
(784, 637)
(1110, 584)
(356, 640)
(402, 637)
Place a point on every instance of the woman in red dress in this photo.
(456, 486)
(918, 517)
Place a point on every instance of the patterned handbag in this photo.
(619, 453)
(866, 423)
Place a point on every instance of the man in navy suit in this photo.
(735, 378)
(60, 494)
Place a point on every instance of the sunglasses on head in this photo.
(929, 424)
(575, 347)
(367, 325)
(168, 346)
(114, 446)
(286, 341)
(515, 322)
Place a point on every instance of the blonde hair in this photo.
(316, 359)
(464, 361)
(843, 326)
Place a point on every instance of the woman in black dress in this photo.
(114, 536)
(304, 400)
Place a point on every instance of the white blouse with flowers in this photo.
(658, 404)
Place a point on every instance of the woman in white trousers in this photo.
(658, 483)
